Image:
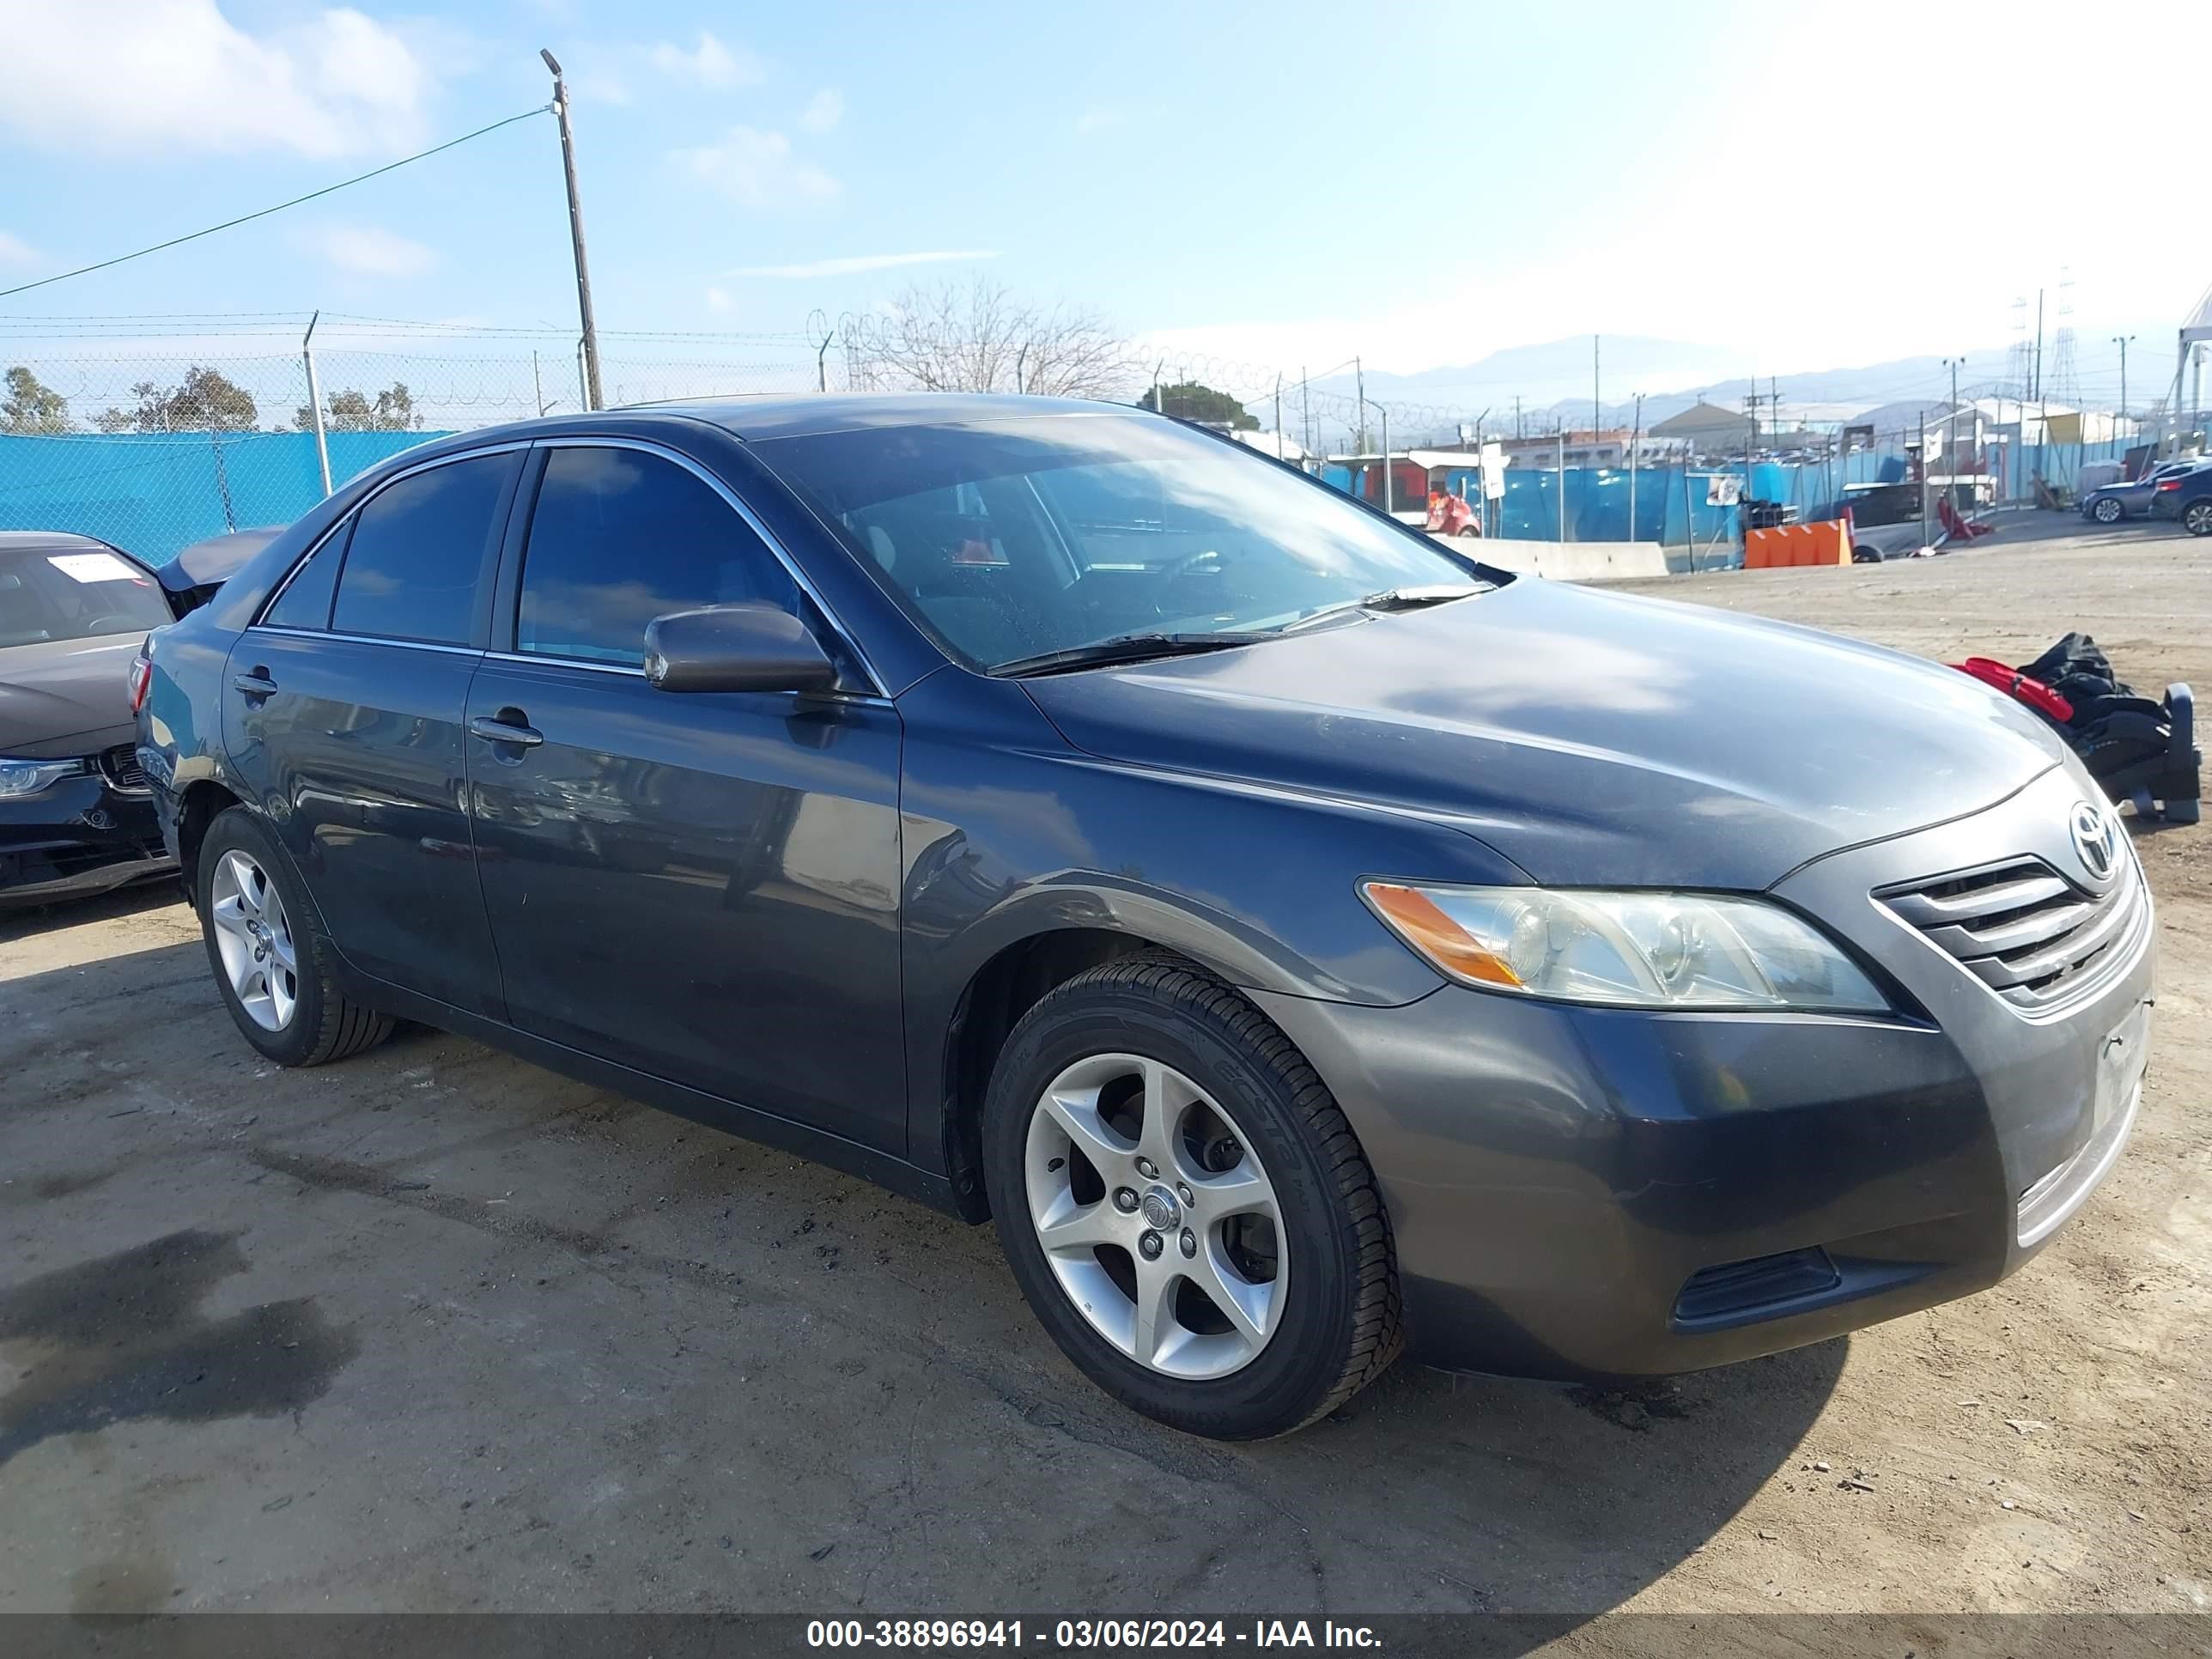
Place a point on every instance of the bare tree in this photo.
(980, 338)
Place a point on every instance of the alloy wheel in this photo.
(2197, 519)
(1155, 1217)
(253, 937)
(2108, 511)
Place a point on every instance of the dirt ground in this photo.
(434, 1330)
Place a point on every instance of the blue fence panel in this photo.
(153, 494)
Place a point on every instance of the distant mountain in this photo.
(1553, 382)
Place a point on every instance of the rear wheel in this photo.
(2107, 511)
(2196, 517)
(271, 960)
(1184, 1205)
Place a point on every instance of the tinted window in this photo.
(619, 537)
(417, 551)
(1010, 539)
(305, 600)
(73, 592)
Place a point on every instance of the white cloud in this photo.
(757, 168)
(1098, 120)
(857, 263)
(710, 64)
(823, 111)
(14, 251)
(601, 84)
(718, 299)
(368, 251)
(177, 74)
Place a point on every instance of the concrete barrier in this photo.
(1566, 561)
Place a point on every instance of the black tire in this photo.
(1469, 534)
(324, 1024)
(1339, 1327)
(2196, 517)
(2108, 511)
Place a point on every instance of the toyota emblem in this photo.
(2096, 840)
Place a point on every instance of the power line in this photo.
(246, 218)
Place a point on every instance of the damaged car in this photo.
(75, 815)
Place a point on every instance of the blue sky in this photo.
(1279, 184)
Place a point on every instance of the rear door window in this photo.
(620, 537)
(305, 600)
(419, 551)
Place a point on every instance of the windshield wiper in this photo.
(1392, 598)
(1124, 648)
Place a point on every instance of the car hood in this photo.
(66, 696)
(1591, 737)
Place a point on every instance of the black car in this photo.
(2186, 498)
(1301, 940)
(75, 814)
(2112, 502)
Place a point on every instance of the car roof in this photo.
(782, 416)
(52, 541)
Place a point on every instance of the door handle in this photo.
(499, 731)
(254, 684)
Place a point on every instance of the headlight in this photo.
(1625, 949)
(28, 777)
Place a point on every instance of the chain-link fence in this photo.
(154, 452)
(155, 443)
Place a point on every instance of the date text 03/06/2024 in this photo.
(1085, 1633)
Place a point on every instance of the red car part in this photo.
(2013, 683)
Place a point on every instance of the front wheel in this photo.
(2108, 511)
(2196, 517)
(1184, 1206)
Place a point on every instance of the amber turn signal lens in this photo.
(1436, 935)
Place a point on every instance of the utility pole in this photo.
(1516, 416)
(1389, 504)
(1951, 432)
(1305, 408)
(1279, 416)
(1774, 407)
(1359, 392)
(1563, 486)
(1924, 478)
(2038, 345)
(576, 235)
(315, 402)
(1635, 443)
(1597, 400)
(2121, 341)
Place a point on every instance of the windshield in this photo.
(60, 592)
(1010, 540)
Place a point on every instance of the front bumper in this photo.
(77, 838)
(1584, 1194)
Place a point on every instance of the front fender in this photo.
(1009, 834)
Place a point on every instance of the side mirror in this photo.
(735, 648)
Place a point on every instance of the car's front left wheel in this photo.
(271, 961)
(1184, 1205)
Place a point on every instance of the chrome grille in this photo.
(2032, 935)
(121, 765)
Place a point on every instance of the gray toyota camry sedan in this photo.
(1302, 941)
